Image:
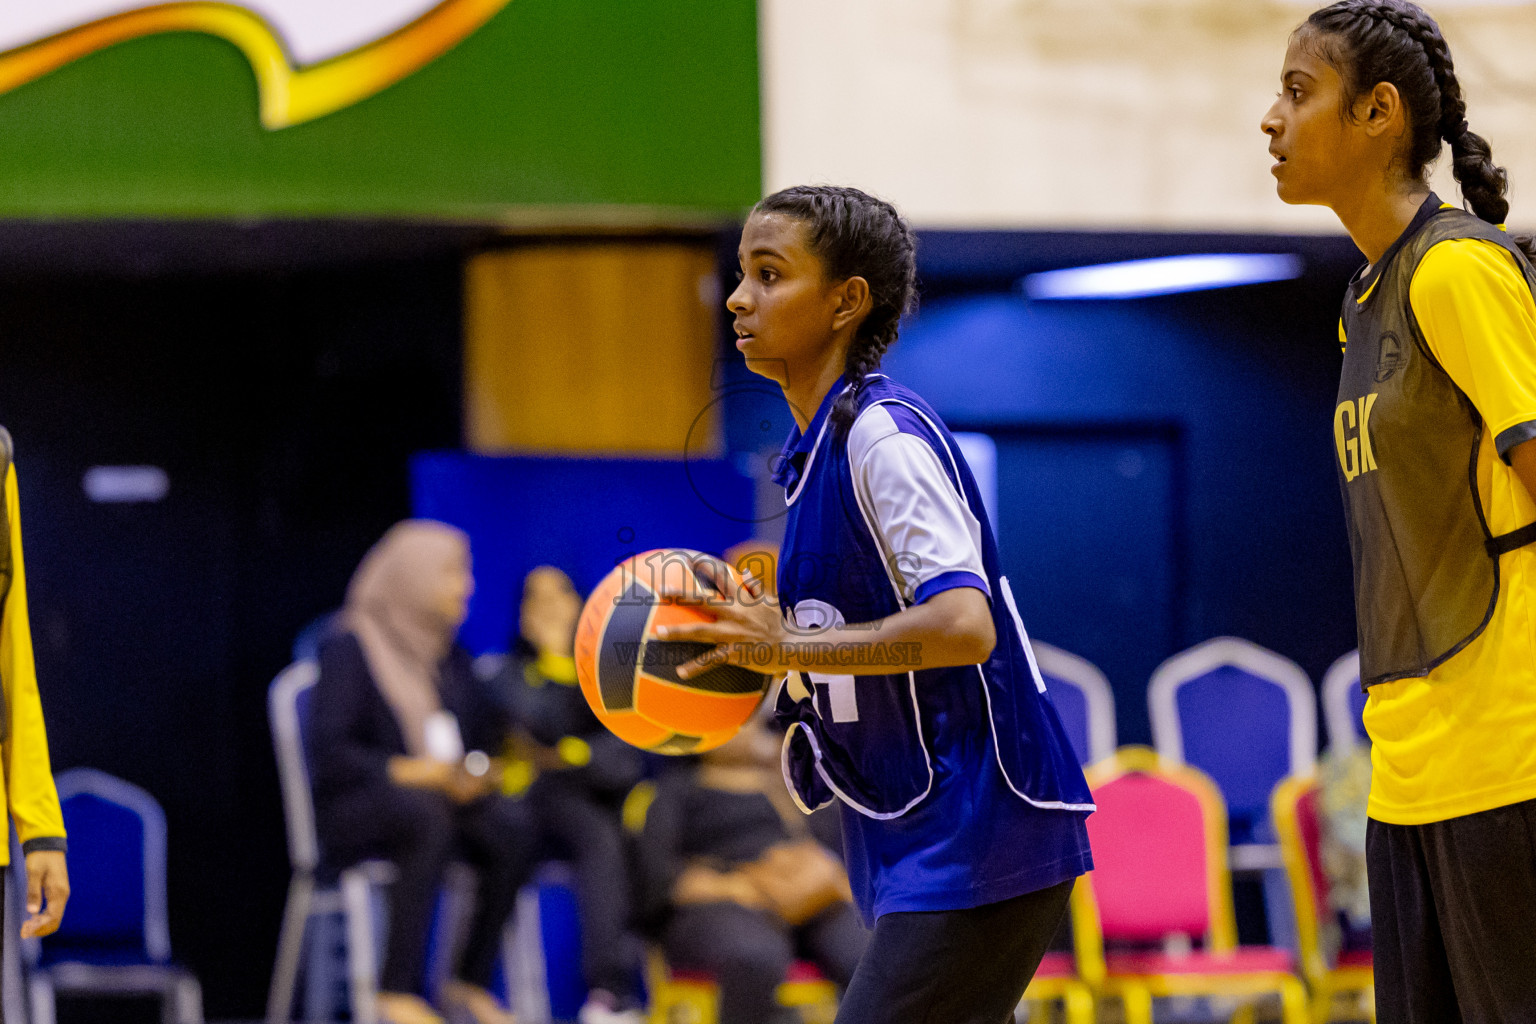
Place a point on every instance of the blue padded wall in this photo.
(581, 515)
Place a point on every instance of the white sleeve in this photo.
(928, 535)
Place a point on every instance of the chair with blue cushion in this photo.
(1344, 702)
(1245, 716)
(1083, 700)
(311, 900)
(115, 939)
(1248, 718)
(315, 899)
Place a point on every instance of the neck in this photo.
(1377, 217)
(807, 386)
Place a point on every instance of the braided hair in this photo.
(856, 235)
(1373, 41)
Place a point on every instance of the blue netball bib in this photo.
(868, 739)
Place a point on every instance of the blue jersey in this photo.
(958, 785)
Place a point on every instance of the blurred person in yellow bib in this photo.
(29, 793)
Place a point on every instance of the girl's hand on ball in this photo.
(748, 629)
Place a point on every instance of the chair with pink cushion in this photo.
(691, 997)
(1158, 905)
(1350, 973)
(1064, 978)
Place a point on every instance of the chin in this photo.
(772, 369)
(1290, 197)
(1293, 195)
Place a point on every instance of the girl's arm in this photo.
(928, 536)
(1522, 458)
(1479, 318)
(953, 627)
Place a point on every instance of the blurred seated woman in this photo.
(396, 708)
(740, 883)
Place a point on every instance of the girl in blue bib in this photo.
(910, 694)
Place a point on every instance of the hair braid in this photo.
(1396, 41)
(856, 235)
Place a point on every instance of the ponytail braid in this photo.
(856, 235)
(1395, 41)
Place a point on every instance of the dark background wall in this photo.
(1165, 475)
(284, 409)
(1166, 467)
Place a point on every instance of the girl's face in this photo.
(1318, 152)
(785, 307)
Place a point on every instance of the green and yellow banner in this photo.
(459, 109)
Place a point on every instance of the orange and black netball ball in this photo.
(629, 676)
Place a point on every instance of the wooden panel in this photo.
(591, 347)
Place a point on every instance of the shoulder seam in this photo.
(879, 433)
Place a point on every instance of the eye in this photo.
(1295, 92)
(767, 275)
(739, 274)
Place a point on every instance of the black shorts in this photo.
(953, 966)
(1453, 918)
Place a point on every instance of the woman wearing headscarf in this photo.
(398, 733)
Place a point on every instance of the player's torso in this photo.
(865, 731)
(876, 740)
(1407, 442)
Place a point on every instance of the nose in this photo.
(737, 302)
(1270, 124)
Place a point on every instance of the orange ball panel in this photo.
(662, 709)
(635, 729)
(589, 633)
(694, 712)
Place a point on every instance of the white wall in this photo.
(1084, 113)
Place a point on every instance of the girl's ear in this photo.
(853, 303)
(1381, 111)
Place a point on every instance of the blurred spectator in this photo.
(737, 882)
(1344, 780)
(583, 775)
(395, 710)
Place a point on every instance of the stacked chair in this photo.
(1083, 701)
(316, 898)
(1245, 716)
(1086, 706)
(690, 997)
(1248, 718)
(1067, 979)
(1344, 702)
(1328, 976)
(115, 940)
(1236, 727)
(1161, 881)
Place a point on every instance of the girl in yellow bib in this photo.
(28, 791)
(1433, 428)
